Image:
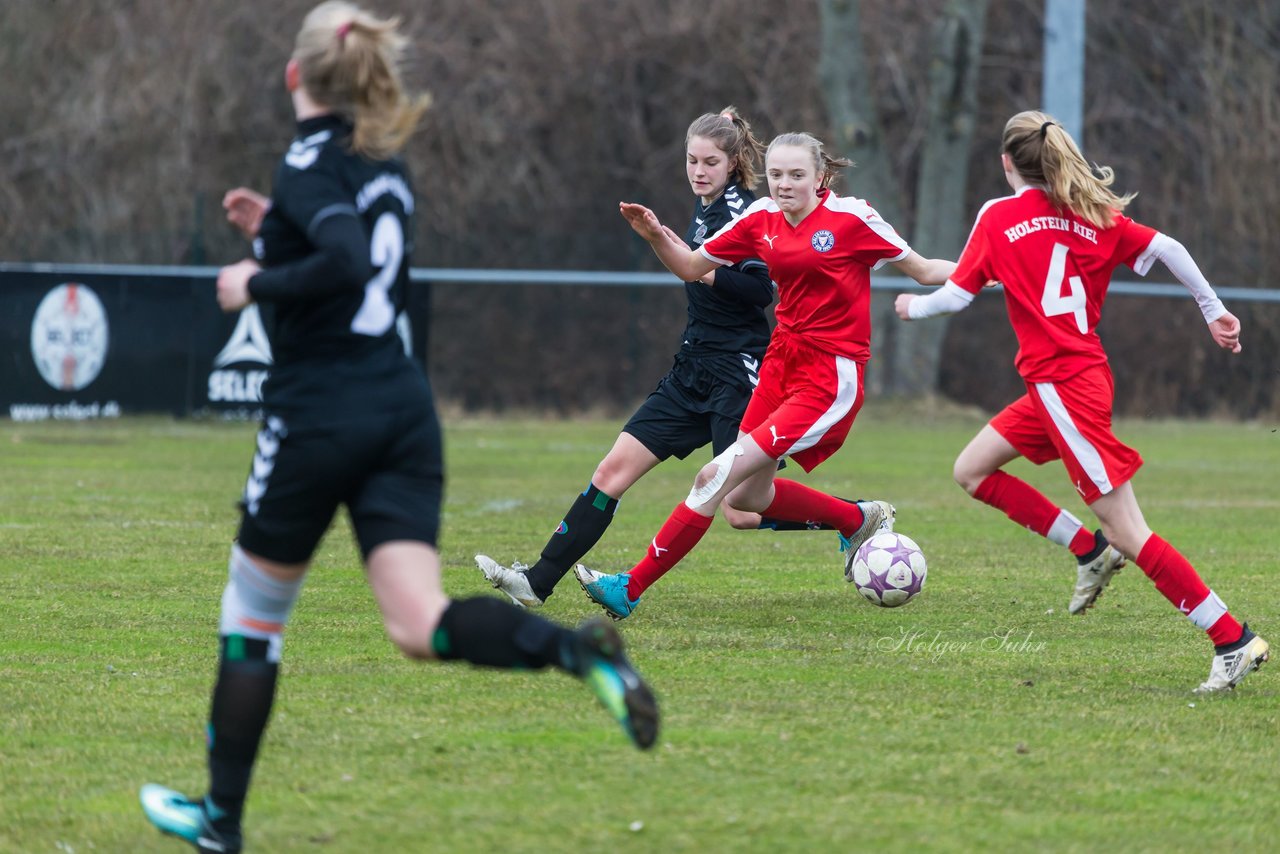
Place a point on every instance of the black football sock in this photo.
(492, 633)
(581, 529)
(768, 524)
(242, 698)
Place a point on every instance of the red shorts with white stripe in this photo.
(805, 402)
(1070, 420)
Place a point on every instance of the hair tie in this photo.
(1044, 129)
(728, 116)
(343, 29)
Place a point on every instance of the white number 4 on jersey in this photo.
(1052, 300)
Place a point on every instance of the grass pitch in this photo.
(797, 717)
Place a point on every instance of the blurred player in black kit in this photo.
(349, 419)
(702, 398)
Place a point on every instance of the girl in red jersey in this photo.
(820, 250)
(1054, 244)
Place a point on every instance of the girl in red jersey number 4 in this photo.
(820, 249)
(1054, 244)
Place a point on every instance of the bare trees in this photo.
(122, 123)
(908, 356)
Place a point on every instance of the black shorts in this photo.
(694, 404)
(388, 468)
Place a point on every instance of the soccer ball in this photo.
(888, 570)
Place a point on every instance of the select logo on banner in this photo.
(231, 381)
(69, 337)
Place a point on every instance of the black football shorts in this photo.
(387, 468)
(690, 407)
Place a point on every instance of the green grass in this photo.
(797, 718)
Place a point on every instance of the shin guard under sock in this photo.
(770, 523)
(1027, 506)
(242, 699)
(677, 537)
(579, 531)
(799, 503)
(1178, 581)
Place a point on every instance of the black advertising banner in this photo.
(80, 343)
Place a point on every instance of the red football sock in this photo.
(679, 534)
(796, 502)
(1178, 581)
(1027, 506)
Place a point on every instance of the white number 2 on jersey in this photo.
(386, 251)
(1052, 300)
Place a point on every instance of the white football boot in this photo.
(1235, 662)
(510, 581)
(1093, 575)
(877, 518)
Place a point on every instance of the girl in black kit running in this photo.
(349, 419)
(703, 396)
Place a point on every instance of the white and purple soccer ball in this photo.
(888, 570)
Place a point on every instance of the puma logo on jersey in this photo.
(769, 240)
(774, 432)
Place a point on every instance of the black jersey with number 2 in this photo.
(335, 246)
(728, 317)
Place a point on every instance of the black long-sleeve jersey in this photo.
(729, 316)
(335, 246)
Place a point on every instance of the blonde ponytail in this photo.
(349, 62)
(1045, 155)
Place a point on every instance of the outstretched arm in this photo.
(926, 271)
(947, 299)
(687, 265)
(1223, 325)
(929, 271)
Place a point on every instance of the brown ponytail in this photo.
(731, 133)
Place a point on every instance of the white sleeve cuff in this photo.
(947, 299)
(1179, 261)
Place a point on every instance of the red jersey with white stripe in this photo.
(1056, 268)
(822, 267)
